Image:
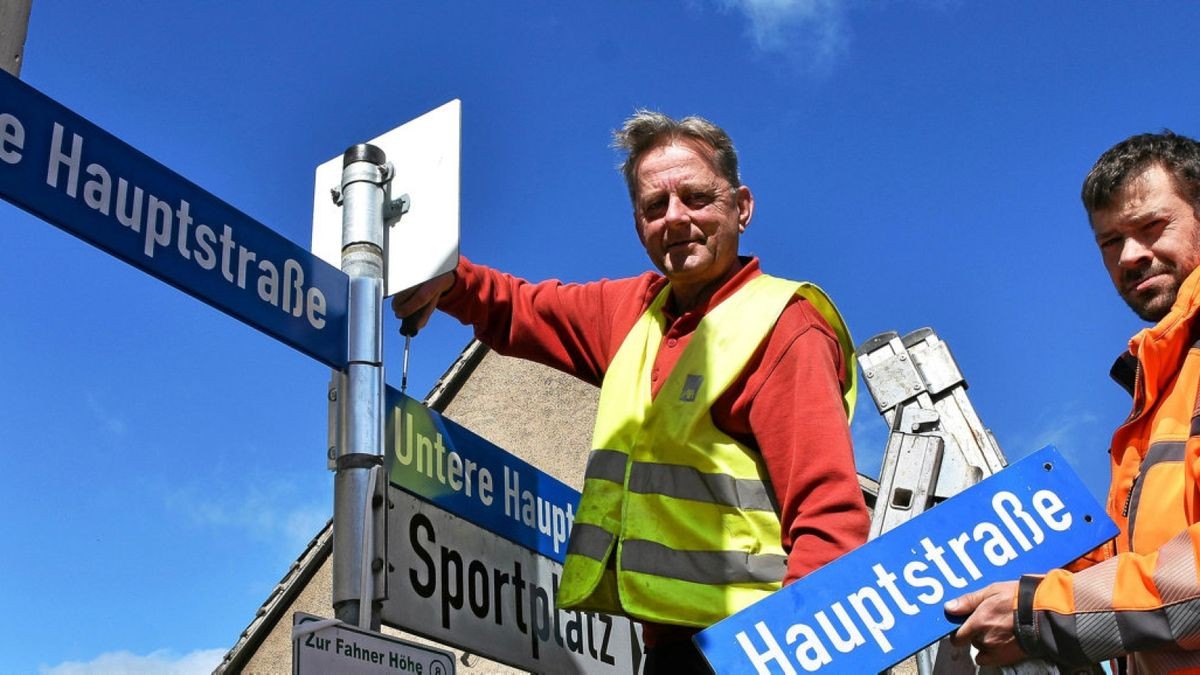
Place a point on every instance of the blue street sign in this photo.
(452, 468)
(878, 604)
(73, 174)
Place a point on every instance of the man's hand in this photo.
(990, 627)
(419, 301)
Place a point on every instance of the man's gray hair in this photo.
(646, 130)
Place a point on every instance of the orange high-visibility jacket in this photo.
(1143, 598)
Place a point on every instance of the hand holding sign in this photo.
(989, 624)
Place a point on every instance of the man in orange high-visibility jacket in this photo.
(1139, 596)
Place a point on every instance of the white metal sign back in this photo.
(424, 154)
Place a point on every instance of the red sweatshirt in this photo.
(787, 403)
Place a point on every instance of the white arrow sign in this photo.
(322, 646)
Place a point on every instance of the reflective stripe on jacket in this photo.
(678, 523)
(1144, 599)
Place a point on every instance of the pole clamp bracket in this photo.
(360, 460)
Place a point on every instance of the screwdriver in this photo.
(408, 328)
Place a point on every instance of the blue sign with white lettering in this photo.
(73, 174)
(449, 466)
(876, 605)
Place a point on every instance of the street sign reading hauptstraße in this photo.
(75, 175)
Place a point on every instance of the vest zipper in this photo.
(1138, 401)
(1129, 497)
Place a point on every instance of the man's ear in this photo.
(745, 206)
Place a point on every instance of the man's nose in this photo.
(677, 211)
(1134, 254)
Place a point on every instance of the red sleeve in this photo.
(799, 422)
(575, 328)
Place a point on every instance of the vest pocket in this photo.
(1155, 503)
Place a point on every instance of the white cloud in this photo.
(811, 34)
(812, 31)
(1067, 430)
(267, 510)
(303, 524)
(1077, 433)
(114, 424)
(160, 662)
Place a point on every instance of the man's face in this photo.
(1150, 241)
(688, 216)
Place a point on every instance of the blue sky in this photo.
(920, 160)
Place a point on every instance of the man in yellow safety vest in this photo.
(721, 465)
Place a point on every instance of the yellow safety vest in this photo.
(687, 509)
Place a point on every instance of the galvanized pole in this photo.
(359, 487)
(14, 24)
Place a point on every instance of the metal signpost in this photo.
(476, 543)
(73, 174)
(359, 548)
(353, 228)
(14, 24)
(881, 602)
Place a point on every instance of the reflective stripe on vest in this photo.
(684, 482)
(683, 509)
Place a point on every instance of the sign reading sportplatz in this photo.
(73, 174)
(878, 604)
(476, 540)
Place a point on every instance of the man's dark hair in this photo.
(1178, 155)
(647, 129)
